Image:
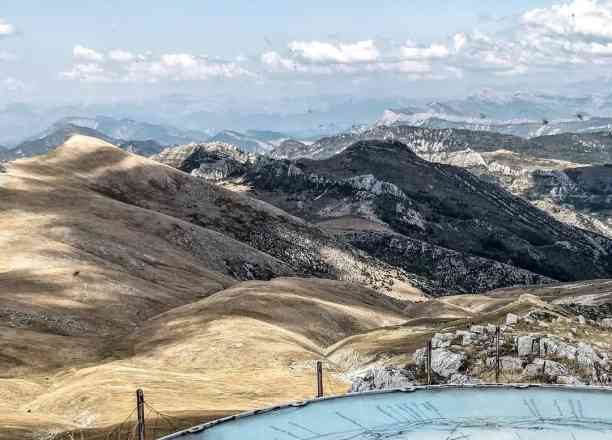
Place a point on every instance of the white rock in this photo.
(548, 368)
(420, 357)
(479, 329)
(510, 363)
(581, 320)
(382, 379)
(442, 340)
(606, 322)
(462, 379)
(569, 380)
(586, 356)
(506, 363)
(445, 362)
(468, 338)
(558, 348)
(511, 319)
(527, 345)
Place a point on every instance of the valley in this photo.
(137, 263)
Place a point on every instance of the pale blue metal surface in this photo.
(491, 412)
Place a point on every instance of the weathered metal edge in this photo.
(297, 404)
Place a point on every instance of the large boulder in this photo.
(446, 363)
(586, 356)
(549, 369)
(528, 345)
(508, 363)
(420, 357)
(511, 319)
(467, 337)
(443, 340)
(557, 348)
(383, 379)
(606, 322)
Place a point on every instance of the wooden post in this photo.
(319, 372)
(429, 378)
(141, 418)
(497, 332)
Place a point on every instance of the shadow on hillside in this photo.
(19, 280)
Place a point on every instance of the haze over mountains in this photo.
(182, 116)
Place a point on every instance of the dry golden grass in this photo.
(99, 297)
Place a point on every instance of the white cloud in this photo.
(6, 29)
(411, 52)
(13, 85)
(570, 34)
(89, 73)
(320, 52)
(577, 32)
(354, 59)
(121, 56)
(580, 19)
(459, 41)
(120, 65)
(7, 56)
(276, 63)
(85, 53)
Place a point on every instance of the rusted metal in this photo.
(141, 417)
(497, 334)
(319, 373)
(429, 350)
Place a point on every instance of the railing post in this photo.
(319, 372)
(141, 418)
(429, 378)
(497, 333)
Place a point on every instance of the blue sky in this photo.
(69, 49)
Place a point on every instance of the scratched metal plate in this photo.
(440, 413)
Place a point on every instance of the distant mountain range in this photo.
(254, 141)
(520, 114)
(182, 116)
(526, 129)
(190, 116)
(60, 133)
(488, 106)
(129, 129)
(430, 143)
(137, 137)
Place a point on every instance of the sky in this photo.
(69, 51)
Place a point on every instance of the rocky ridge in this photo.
(441, 144)
(572, 193)
(518, 164)
(212, 161)
(554, 353)
(386, 185)
(386, 201)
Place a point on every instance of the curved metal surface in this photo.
(469, 412)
